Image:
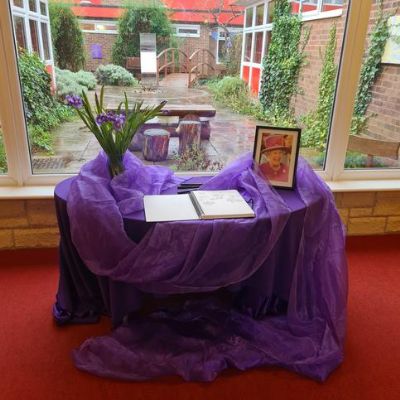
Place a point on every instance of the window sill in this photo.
(47, 192)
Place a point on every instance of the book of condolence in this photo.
(198, 204)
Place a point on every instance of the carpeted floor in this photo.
(35, 360)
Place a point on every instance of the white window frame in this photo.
(177, 27)
(100, 22)
(20, 182)
(37, 16)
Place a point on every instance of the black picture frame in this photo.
(274, 144)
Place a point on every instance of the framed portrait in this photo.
(276, 151)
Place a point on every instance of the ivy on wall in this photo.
(316, 123)
(281, 66)
(370, 70)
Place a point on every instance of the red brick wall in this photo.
(106, 41)
(385, 118)
(314, 50)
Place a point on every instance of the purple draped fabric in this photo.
(202, 338)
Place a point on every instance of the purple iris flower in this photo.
(119, 121)
(74, 101)
(102, 119)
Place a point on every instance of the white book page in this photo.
(174, 207)
(222, 204)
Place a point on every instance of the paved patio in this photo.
(231, 134)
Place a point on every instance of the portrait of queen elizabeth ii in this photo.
(275, 152)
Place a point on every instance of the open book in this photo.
(198, 204)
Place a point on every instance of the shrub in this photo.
(234, 93)
(87, 79)
(69, 82)
(42, 111)
(112, 74)
(141, 18)
(67, 37)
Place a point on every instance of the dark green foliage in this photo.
(67, 37)
(42, 111)
(233, 92)
(141, 18)
(316, 123)
(370, 70)
(281, 66)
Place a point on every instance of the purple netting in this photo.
(205, 337)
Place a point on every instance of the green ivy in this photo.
(316, 123)
(140, 17)
(42, 111)
(67, 37)
(281, 66)
(370, 70)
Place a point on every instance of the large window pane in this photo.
(32, 5)
(260, 14)
(247, 48)
(258, 47)
(19, 31)
(59, 141)
(249, 17)
(45, 38)
(33, 27)
(375, 137)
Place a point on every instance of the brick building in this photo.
(196, 23)
(318, 16)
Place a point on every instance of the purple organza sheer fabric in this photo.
(205, 337)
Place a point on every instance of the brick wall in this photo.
(385, 120)
(106, 41)
(33, 223)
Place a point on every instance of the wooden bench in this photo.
(374, 147)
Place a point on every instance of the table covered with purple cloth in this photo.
(270, 290)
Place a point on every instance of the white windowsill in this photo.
(47, 192)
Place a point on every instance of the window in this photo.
(99, 26)
(43, 8)
(247, 47)
(258, 47)
(32, 5)
(187, 30)
(20, 35)
(34, 35)
(230, 133)
(45, 38)
(374, 141)
(249, 17)
(260, 14)
(18, 3)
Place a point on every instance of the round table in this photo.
(82, 296)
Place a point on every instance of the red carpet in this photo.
(35, 358)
